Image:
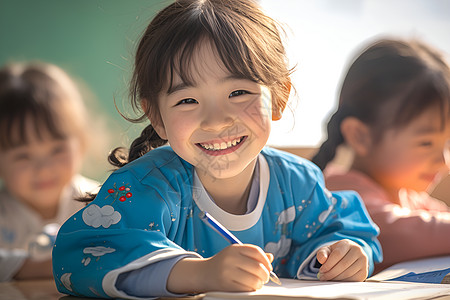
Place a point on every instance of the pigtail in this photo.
(148, 140)
(327, 150)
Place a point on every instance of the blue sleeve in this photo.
(149, 281)
(315, 217)
(310, 271)
(127, 227)
(333, 217)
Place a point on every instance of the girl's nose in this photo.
(216, 118)
(43, 165)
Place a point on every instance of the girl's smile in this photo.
(221, 147)
(44, 185)
(218, 122)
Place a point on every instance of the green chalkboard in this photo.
(93, 40)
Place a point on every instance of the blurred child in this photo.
(42, 143)
(210, 75)
(393, 114)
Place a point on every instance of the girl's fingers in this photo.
(241, 281)
(322, 254)
(257, 254)
(351, 262)
(337, 252)
(255, 262)
(236, 269)
(356, 270)
(258, 271)
(336, 270)
(246, 281)
(359, 276)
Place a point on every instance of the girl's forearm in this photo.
(187, 277)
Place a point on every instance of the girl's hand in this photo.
(344, 260)
(237, 268)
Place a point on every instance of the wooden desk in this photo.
(29, 290)
(46, 290)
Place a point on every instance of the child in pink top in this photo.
(394, 114)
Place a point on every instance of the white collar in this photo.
(231, 221)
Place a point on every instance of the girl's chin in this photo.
(217, 172)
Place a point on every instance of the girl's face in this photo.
(220, 123)
(37, 172)
(411, 157)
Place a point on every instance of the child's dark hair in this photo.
(247, 41)
(42, 94)
(389, 84)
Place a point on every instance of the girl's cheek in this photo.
(20, 166)
(65, 163)
(18, 174)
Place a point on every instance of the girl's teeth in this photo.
(221, 146)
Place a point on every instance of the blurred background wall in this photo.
(323, 37)
(94, 41)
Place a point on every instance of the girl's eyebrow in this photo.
(183, 85)
(177, 87)
(424, 130)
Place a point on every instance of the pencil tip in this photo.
(275, 278)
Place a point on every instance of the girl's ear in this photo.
(277, 113)
(155, 120)
(158, 125)
(357, 135)
(280, 104)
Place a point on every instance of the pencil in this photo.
(225, 233)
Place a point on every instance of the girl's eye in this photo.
(187, 101)
(426, 144)
(21, 157)
(58, 150)
(238, 93)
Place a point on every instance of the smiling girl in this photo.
(42, 142)
(210, 76)
(393, 113)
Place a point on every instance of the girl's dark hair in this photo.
(389, 84)
(247, 41)
(42, 94)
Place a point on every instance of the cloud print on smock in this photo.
(65, 280)
(279, 249)
(287, 216)
(98, 251)
(96, 216)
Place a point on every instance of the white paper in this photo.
(431, 270)
(302, 289)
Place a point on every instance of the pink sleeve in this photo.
(424, 201)
(411, 234)
(405, 233)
